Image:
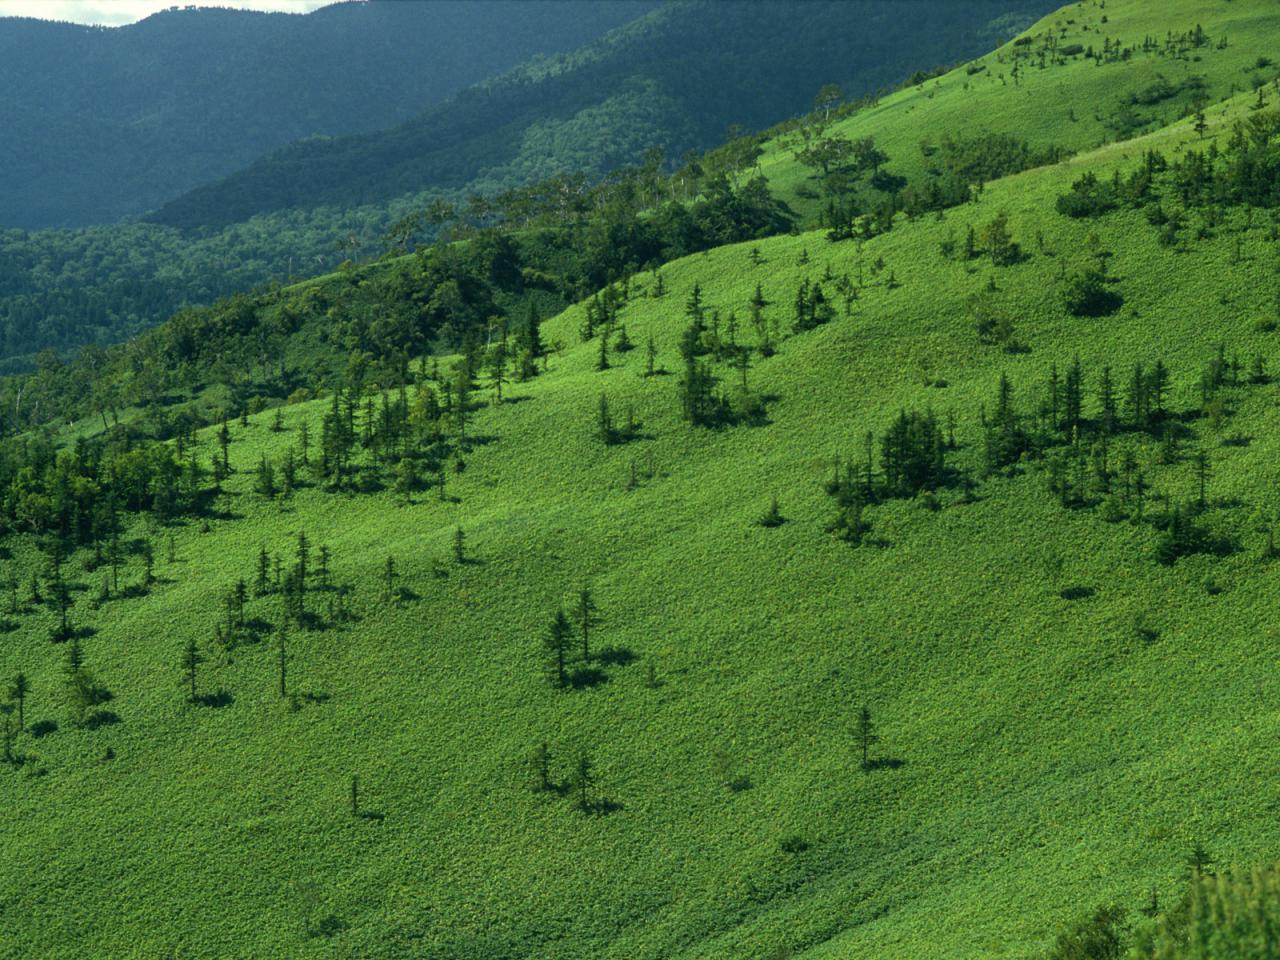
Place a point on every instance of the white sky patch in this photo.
(115, 13)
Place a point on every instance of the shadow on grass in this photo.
(616, 656)
(884, 763)
(587, 677)
(43, 728)
(600, 808)
(329, 926)
(1076, 593)
(217, 701)
(101, 718)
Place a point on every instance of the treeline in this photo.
(275, 342)
(61, 289)
(864, 196)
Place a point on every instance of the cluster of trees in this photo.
(78, 495)
(1097, 445)
(703, 343)
(1245, 173)
(1229, 914)
(1094, 460)
(956, 169)
(581, 783)
(912, 461)
(567, 643)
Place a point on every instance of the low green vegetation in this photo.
(904, 592)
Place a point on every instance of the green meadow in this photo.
(1061, 717)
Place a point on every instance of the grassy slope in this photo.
(1065, 105)
(1050, 760)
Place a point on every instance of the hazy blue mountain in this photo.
(135, 115)
(676, 78)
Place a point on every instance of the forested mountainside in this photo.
(638, 575)
(61, 289)
(135, 115)
(676, 79)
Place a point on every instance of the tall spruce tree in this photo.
(556, 645)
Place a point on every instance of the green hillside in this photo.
(1051, 87)
(1058, 615)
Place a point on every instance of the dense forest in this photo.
(159, 107)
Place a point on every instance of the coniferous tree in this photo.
(585, 614)
(1202, 475)
(1199, 862)
(224, 444)
(698, 405)
(540, 765)
(651, 357)
(282, 655)
(191, 660)
(322, 566)
(303, 557)
(1107, 398)
(693, 306)
(262, 579)
(407, 478)
(556, 645)
(18, 691)
(866, 735)
(389, 577)
(239, 597)
(1072, 397)
(459, 545)
(498, 367)
(604, 422)
(265, 482)
(773, 516)
(59, 596)
(1157, 384)
(113, 558)
(532, 338)
(584, 782)
(1138, 401)
(758, 323)
(81, 688)
(288, 473)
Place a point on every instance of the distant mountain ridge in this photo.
(141, 113)
(677, 78)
